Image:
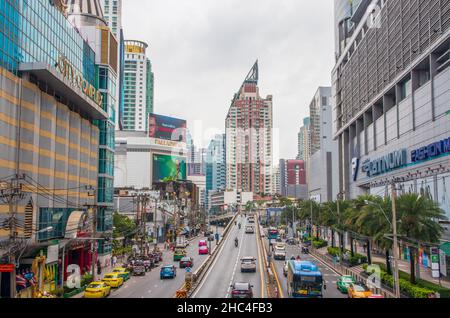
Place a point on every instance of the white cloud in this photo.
(201, 51)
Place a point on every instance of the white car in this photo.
(249, 230)
(248, 264)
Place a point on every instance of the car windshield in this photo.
(360, 288)
(167, 268)
(117, 270)
(185, 259)
(241, 286)
(347, 279)
(248, 261)
(110, 276)
(95, 285)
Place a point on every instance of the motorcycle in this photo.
(236, 243)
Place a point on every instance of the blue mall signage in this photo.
(389, 162)
(431, 151)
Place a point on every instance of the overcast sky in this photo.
(201, 51)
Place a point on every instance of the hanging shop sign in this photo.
(6, 268)
(387, 163)
(70, 73)
(431, 151)
(434, 251)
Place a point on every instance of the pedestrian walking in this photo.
(114, 261)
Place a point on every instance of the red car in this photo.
(202, 243)
(241, 290)
(186, 262)
(203, 250)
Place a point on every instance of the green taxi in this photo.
(123, 272)
(178, 254)
(344, 282)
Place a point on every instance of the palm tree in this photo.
(374, 221)
(328, 217)
(418, 216)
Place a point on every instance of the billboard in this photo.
(168, 168)
(167, 128)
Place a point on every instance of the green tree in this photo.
(418, 216)
(123, 226)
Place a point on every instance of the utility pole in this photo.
(12, 194)
(395, 250)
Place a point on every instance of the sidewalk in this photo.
(425, 273)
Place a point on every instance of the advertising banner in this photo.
(166, 128)
(168, 168)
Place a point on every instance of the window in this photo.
(405, 89)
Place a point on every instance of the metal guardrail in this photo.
(342, 270)
(199, 273)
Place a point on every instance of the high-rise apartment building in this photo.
(112, 10)
(293, 179)
(138, 86)
(249, 126)
(304, 141)
(276, 180)
(391, 88)
(322, 167)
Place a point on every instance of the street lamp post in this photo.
(393, 225)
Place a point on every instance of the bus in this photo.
(304, 280)
(273, 234)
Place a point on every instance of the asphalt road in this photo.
(226, 268)
(329, 276)
(151, 286)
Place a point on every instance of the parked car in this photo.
(97, 290)
(168, 271)
(186, 262)
(139, 268)
(343, 282)
(203, 250)
(358, 290)
(248, 264)
(123, 272)
(241, 290)
(113, 280)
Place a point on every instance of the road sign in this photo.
(6, 268)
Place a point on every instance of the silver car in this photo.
(248, 264)
(249, 230)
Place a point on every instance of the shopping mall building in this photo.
(391, 91)
(56, 144)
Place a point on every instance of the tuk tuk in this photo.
(178, 254)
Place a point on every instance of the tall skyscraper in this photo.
(391, 88)
(249, 126)
(112, 13)
(87, 16)
(322, 168)
(215, 166)
(112, 10)
(304, 141)
(293, 179)
(138, 86)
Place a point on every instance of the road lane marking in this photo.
(280, 290)
(211, 267)
(235, 264)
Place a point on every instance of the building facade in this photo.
(293, 179)
(322, 168)
(112, 10)
(249, 126)
(50, 143)
(304, 141)
(215, 166)
(87, 17)
(276, 180)
(138, 86)
(391, 87)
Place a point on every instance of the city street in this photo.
(329, 276)
(226, 268)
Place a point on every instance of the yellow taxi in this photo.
(123, 272)
(113, 280)
(97, 290)
(358, 290)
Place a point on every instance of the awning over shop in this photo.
(445, 248)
